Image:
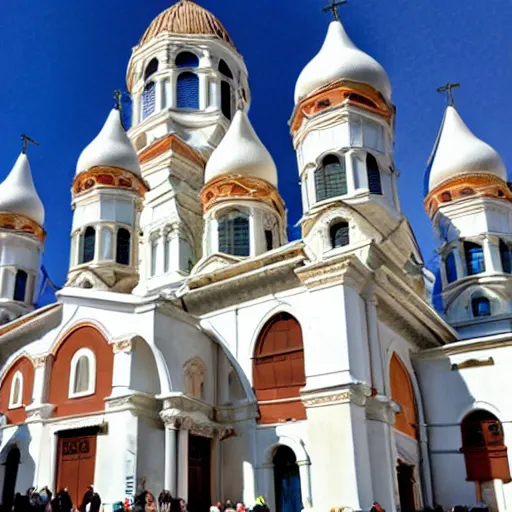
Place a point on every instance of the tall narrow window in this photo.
(373, 173)
(450, 268)
(151, 68)
(20, 285)
(188, 91)
(87, 245)
(187, 60)
(233, 234)
(330, 178)
(148, 100)
(82, 373)
(474, 258)
(269, 239)
(481, 306)
(123, 247)
(339, 235)
(16, 395)
(224, 69)
(506, 257)
(225, 99)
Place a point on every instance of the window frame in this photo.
(449, 256)
(17, 377)
(91, 388)
(188, 64)
(19, 274)
(339, 224)
(468, 246)
(81, 245)
(475, 302)
(195, 76)
(232, 216)
(129, 240)
(373, 171)
(320, 173)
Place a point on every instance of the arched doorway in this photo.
(287, 481)
(406, 484)
(11, 473)
(483, 446)
(278, 370)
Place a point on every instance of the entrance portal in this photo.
(76, 460)
(406, 483)
(287, 481)
(11, 473)
(199, 483)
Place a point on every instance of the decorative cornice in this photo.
(124, 346)
(235, 186)
(341, 92)
(346, 269)
(108, 177)
(357, 393)
(171, 143)
(39, 361)
(381, 408)
(464, 187)
(39, 412)
(22, 225)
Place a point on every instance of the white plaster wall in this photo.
(150, 455)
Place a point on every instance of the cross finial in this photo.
(25, 140)
(118, 96)
(448, 88)
(334, 8)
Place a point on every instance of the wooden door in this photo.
(199, 483)
(76, 461)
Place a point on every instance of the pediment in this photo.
(214, 262)
(87, 279)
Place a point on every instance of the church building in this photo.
(194, 348)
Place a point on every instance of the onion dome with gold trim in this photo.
(187, 18)
(339, 58)
(241, 152)
(458, 153)
(111, 148)
(18, 194)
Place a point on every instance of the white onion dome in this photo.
(459, 152)
(111, 148)
(241, 152)
(339, 58)
(18, 193)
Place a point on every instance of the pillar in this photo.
(122, 367)
(183, 464)
(305, 483)
(170, 470)
(159, 94)
(203, 91)
(351, 168)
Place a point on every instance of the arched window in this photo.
(123, 247)
(225, 99)
(278, 370)
(16, 395)
(506, 257)
(474, 258)
(195, 375)
(188, 91)
(373, 173)
(87, 245)
(481, 306)
(484, 449)
(148, 100)
(82, 375)
(233, 231)
(187, 60)
(450, 267)
(287, 483)
(330, 178)
(20, 285)
(151, 69)
(224, 69)
(402, 392)
(339, 234)
(269, 239)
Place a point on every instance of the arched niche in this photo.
(24, 366)
(402, 392)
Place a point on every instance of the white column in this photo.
(488, 256)
(183, 464)
(122, 368)
(459, 255)
(136, 109)
(170, 473)
(377, 371)
(158, 94)
(305, 484)
(38, 389)
(203, 91)
(351, 169)
(160, 254)
(253, 236)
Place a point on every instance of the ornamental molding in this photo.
(108, 177)
(123, 346)
(381, 408)
(139, 403)
(39, 361)
(22, 225)
(236, 186)
(356, 394)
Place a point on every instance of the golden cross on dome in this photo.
(448, 88)
(334, 8)
(25, 140)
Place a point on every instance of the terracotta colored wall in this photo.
(27, 369)
(403, 393)
(82, 337)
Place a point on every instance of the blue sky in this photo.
(62, 60)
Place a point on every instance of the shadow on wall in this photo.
(467, 440)
(17, 467)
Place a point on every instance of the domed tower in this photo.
(21, 241)
(469, 203)
(343, 132)
(244, 214)
(107, 199)
(186, 79)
